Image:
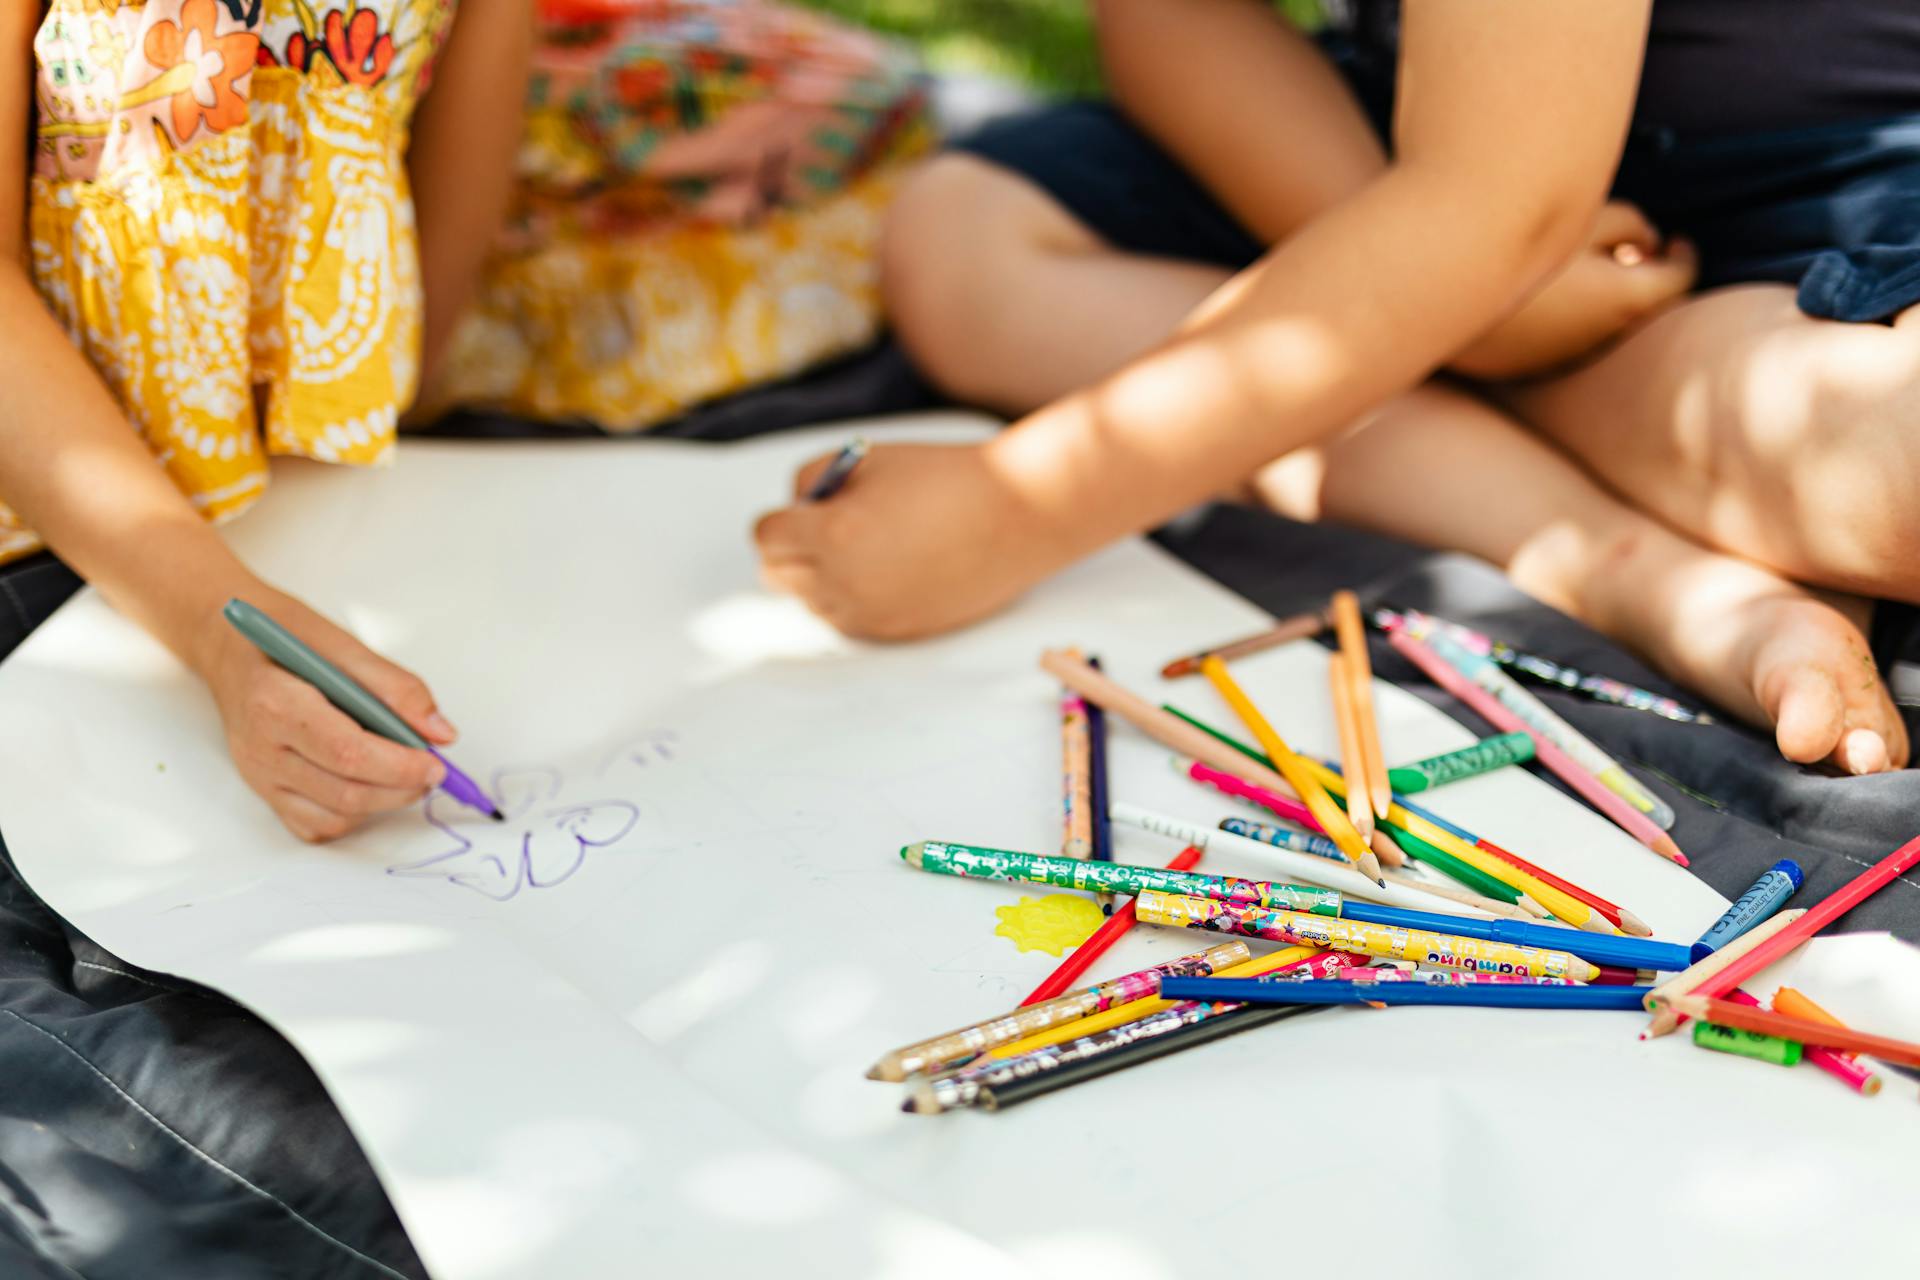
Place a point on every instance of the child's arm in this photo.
(1271, 130)
(1511, 121)
(460, 161)
(78, 473)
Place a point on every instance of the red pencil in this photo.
(1824, 913)
(1621, 917)
(1104, 937)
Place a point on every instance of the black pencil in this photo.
(1014, 1092)
(1097, 792)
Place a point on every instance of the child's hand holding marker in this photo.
(321, 772)
(923, 538)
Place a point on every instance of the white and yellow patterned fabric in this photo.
(220, 217)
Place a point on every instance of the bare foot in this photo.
(1766, 649)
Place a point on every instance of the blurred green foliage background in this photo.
(1045, 44)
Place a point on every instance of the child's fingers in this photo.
(400, 689)
(791, 533)
(1619, 224)
(803, 478)
(327, 737)
(340, 795)
(1660, 280)
(312, 822)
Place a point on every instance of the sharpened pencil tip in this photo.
(496, 815)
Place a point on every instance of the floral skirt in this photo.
(700, 196)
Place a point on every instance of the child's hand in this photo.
(1623, 275)
(922, 539)
(319, 770)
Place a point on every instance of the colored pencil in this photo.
(1076, 777)
(1217, 1026)
(1463, 896)
(936, 1051)
(1843, 1067)
(1665, 1019)
(830, 481)
(963, 1087)
(1357, 665)
(978, 863)
(1347, 723)
(1585, 784)
(1286, 631)
(1600, 948)
(1564, 906)
(1423, 946)
(1103, 938)
(1410, 819)
(1484, 756)
(1297, 866)
(1099, 790)
(1094, 1023)
(1547, 671)
(1171, 731)
(1272, 833)
(1543, 722)
(1727, 1013)
(1822, 914)
(1492, 995)
(1767, 895)
(1331, 818)
(1285, 806)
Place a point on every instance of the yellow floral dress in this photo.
(219, 215)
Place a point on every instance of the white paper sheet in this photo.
(626, 1035)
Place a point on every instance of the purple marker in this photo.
(344, 692)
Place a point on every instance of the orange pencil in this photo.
(1353, 759)
(1841, 1040)
(1305, 785)
(1359, 669)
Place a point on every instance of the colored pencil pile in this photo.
(1342, 918)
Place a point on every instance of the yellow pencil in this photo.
(1120, 1015)
(1358, 667)
(1561, 905)
(1332, 819)
(1353, 760)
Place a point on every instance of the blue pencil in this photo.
(1097, 790)
(1490, 995)
(1600, 948)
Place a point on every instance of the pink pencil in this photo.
(1847, 1071)
(1490, 709)
(1829, 909)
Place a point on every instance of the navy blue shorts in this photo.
(1833, 210)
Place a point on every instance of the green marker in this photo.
(1748, 1044)
(977, 863)
(373, 715)
(1482, 757)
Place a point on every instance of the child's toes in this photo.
(1808, 714)
(1861, 751)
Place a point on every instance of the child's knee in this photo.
(959, 237)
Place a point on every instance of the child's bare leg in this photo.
(1444, 468)
(1006, 300)
(1758, 430)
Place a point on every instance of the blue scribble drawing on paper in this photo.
(542, 843)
